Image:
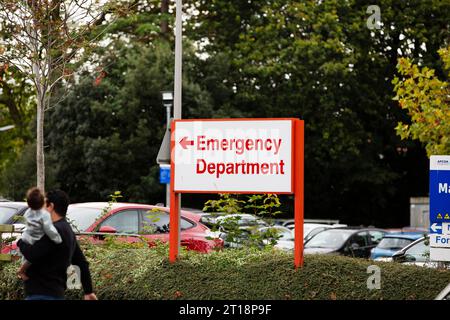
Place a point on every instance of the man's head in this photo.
(35, 198)
(57, 201)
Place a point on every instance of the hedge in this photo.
(130, 273)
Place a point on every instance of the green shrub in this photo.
(127, 273)
(261, 205)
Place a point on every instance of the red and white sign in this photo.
(237, 156)
(233, 155)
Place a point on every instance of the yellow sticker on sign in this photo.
(447, 216)
(439, 216)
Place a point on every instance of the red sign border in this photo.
(172, 164)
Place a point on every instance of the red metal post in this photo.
(174, 235)
(299, 139)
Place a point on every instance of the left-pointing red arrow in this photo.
(185, 142)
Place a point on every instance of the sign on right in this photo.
(440, 208)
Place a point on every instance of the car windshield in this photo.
(420, 251)
(82, 218)
(330, 239)
(393, 243)
(6, 213)
(307, 229)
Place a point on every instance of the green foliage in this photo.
(317, 60)
(112, 199)
(240, 275)
(16, 108)
(258, 204)
(228, 205)
(107, 133)
(427, 100)
(112, 242)
(20, 175)
(150, 227)
(137, 19)
(263, 204)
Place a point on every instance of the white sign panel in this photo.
(233, 155)
(439, 254)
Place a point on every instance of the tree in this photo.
(106, 134)
(427, 100)
(319, 61)
(44, 39)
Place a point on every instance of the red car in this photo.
(150, 222)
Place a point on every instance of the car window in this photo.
(375, 237)
(314, 232)
(331, 238)
(126, 221)
(420, 251)
(360, 239)
(393, 243)
(158, 222)
(155, 222)
(185, 224)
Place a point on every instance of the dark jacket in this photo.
(49, 262)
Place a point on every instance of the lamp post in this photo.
(167, 98)
(175, 199)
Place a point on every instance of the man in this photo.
(47, 275)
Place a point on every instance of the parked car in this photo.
(194, 210)
(244, 220)
(149, 221)
(417, 253)
(290, 223)
(286, 237)
(10, 211)
(408, 229)
(311, 229)
(355, 242)
(137, 221)
(392, 242)
(245, 223)
(209, 219)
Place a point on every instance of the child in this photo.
(38, 223)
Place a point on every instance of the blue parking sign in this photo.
(440, 208)
(164, 173)
(439, 190)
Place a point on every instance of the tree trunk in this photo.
(40, 161)
(164, 22)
